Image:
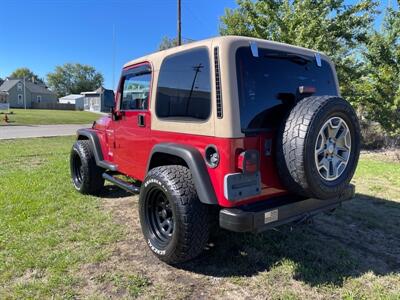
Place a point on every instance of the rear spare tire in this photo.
(318, 147)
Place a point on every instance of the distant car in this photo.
(252, 129)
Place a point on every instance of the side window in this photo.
(184, 87)
(135, 91)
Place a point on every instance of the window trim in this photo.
(20, 97)
(127, 71)
(19, 87)
(185, 119)
(38, 98)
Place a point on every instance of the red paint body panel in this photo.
(129, 145)
(132, 143)
(100, 127)
(132, 147)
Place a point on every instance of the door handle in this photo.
(140, 121)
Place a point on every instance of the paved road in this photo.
(18, 132)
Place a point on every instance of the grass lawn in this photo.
(56, 243)
(47, 230)
(49, 117)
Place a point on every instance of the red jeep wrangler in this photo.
(253, 129)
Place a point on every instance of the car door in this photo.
(132, 121)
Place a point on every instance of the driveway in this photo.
(29, 131)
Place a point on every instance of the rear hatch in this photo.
(269, 85)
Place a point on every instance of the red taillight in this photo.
(248, 161)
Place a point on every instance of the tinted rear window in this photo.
(184, 86)
(269, 84)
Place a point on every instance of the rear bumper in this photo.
(275, 212)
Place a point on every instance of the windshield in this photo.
(269, 84)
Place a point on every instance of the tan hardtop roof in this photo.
(221, 40)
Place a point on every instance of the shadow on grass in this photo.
(114, 192)
(363, 235)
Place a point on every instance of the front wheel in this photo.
(85, 174)
(173, 220)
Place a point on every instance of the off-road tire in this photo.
(296, 140)
(190, 216)
(85, 174)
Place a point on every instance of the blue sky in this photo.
(40, 34)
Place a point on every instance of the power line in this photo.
(197, 17)
(179, 24)
(188, 39)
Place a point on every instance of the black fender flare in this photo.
(91, 135)
(196, 164)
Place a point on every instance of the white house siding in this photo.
(77, 100)
(93, 103)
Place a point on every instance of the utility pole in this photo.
(179, 24)
(25, 92)
(197, 70)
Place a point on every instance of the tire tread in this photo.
(93, 181)
(292, 144)
(193, 214)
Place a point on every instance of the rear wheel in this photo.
(173, 220)
(85, 174)
(318, 147)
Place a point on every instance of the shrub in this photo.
(374, 137)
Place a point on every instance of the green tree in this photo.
(381, 84)
(329, 26)
(74, 79)
(26, 73)
(168, 42)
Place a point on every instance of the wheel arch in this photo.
(91, 135)
(171, 153)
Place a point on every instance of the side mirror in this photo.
(109, 99)
(116, 115)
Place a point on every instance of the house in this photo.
(76, 99)
(3, 97)
(33, 92)
(94, 101)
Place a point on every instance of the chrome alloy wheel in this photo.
(333, 148)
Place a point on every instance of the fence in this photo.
(57, 106)
(5, 107)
